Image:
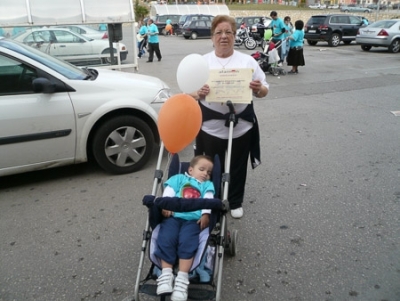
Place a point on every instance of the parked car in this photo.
(332, 28)
(70, 46)
(383, 33)
(191, 17)
(375, 6)
(197, 29)
(160, 22)
(354, 8)
(86, 31)
(53, 113)
(333, 6)
(396, 6)
(252, 20)
(317, 6)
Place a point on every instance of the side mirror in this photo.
(43, 85)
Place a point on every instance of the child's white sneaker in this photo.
(180, 292)
(164, 283)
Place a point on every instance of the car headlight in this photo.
(162, 96)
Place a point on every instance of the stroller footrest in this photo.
(193, 293)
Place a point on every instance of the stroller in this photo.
(269, 58)
(213, 241)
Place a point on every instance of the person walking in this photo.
(296, 40)
(213, 137)
(278, 33)
(153, 41)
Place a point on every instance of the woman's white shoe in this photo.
(237, 213)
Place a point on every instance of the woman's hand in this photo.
(204, 91)
(258, 88)
(204, 221)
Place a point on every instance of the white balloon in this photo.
(192, 73)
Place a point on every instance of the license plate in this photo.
(312, 31)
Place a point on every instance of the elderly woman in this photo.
(213, 136)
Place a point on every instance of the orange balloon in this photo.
(179, 122)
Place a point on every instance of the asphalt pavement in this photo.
(322, 211)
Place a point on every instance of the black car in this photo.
(396, 6)
(192, 17)
(251, 20)
(160, 22)
(197, 28)
(332, 29)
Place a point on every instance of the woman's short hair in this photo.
(287, 18)
(223, 18)
(299, 25)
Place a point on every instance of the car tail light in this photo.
(323, 27)
(105, 36)
(383, 33)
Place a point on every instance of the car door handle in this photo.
(63, 46)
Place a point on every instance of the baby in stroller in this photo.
(178, 235)
(212, 242)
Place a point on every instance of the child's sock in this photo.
(166, 271)
(183, 275)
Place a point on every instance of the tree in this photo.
(140, 11)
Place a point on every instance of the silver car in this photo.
(354, 8)
(384, 33)
(70, 46)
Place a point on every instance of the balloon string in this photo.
(165, 170)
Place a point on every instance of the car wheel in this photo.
(367, 11)
(164, 32)
(107, 60)
(250, 44)
(366, 48)
(334, 40)
(194, 35)
(312, 43)
(346, 11)
(394, 46)
(123, 144)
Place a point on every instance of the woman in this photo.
(213, 136)
(296, 42)
(288, 32)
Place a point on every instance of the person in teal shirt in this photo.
(178, 238)
(296, 42)
(278, 33)
(142, 40)
(2, 34)
(153, 41)
(288, 32)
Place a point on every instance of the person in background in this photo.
(278, 33)
(213, 137)
(103, 27)
(296, 40)
(288, 32)
(17, 30)
(168, 27)
(179, 231)
(142, 36)
(365, 21)
(153, 41)
(2, 33)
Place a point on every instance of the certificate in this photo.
(230, 84)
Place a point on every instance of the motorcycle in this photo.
(257, 33)
(243, 38)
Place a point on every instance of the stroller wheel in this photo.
(233, 242)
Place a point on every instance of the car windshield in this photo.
(383, 24)
(66, 69)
